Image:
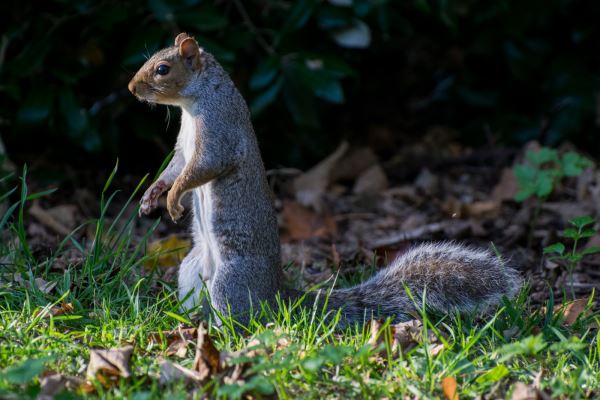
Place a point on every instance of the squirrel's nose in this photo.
(132, 87)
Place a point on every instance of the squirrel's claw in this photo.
(175, 212)
(149, 200)
(174, 206)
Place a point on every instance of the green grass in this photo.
(116, 302)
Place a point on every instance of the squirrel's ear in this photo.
(190, 51)
(180, 38)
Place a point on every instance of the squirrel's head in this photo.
(167, 72)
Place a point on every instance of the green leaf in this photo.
(204, 19)
(265, 73)
(542, 156)
(322, 84)
(300, 103)
(590, 250)
(555, 248)
(36, 107)
(297, 17)
(525, 175)
(523, 194)
(571, 233)
(544, 183)
(335, 17)
(587, 233)
(493, 375)
(582, 221)
(573, 164)
(161, 9)
(362, 7)
(75, 116)
(24, 371)
(263, 99)
(356, 36)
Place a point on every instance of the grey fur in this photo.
(236, 241)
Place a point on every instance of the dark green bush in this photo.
(515, 69)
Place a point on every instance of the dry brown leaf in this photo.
(408, 333)
(481, 209)
(107, 365)
(302, 223)
(402, 337)
(52, 383)
(44, 286)
(310, 186)
(568, 209)
(177, 340)
(64, 308)
(523, 391)
(573, 310)
(450, 388)
(170, 372)
(436, 349)
(353, 163)
(208, 359)
(168, 252)
(506, 188)
(427, 182)
(372, 180)
(169, 337)
(387, 338)
(60, 219)
(41, 284)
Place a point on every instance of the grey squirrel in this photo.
(236, 250)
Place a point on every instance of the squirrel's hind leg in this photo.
(240, 285)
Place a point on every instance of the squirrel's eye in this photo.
(162, 69)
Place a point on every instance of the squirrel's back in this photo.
(452, 277)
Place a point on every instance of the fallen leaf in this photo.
(167, 252)
(44, 286)
(170, 372)
(311, 185)
(301, 223)
(522, 391)
(387, 337)
(352, 164)
(64, 308)
(506, 188)
(373, 180)
(107, 365)
(208, 359)
(449, 387)
(41, 284)
(436, 349)
(427, 182)
(573, 310)
(481, 209)
(407, 334)
(568, 209)
(53, 383)
(177, 341)
(61, 219)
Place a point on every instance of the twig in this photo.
(259, 38)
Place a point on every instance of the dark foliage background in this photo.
(313, 71)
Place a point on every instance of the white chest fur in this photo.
(204, 239)
(187, 135)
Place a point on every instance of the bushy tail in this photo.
(453, 278)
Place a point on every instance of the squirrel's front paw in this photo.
(149, 200)
(175, 209)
